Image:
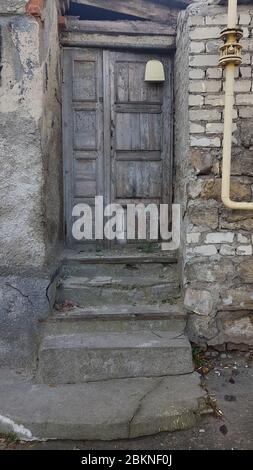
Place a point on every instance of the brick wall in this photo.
(218, 262)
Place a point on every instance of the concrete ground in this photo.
(230, 379)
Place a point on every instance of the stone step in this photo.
(84, 357)
(108, 290)
(116, 318)
(169, 271)
(130, 256)
(114, 409)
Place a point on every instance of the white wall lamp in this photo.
(154, 72)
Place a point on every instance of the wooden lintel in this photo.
(80, 39)
(123, 27)
(147, 10)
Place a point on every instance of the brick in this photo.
(246, 32)
(217, 20)
(214, 73)
(196, 100)
(197, 47)
(197, 129)
(205, 33)
(214, 127)
(246, 72)
(244, 19)
(196, 20)
(213, 46)
(246, 112)
(196, 74)
(215, 100)
(244, 99)
(205, 142)
(204, 60)
(242, 86)
(205, 86)
(220, 237)
(205, 115)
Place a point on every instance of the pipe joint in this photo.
(231, 50)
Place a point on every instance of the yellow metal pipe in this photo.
(228, 116)
(232, 13)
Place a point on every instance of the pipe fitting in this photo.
(231, 50)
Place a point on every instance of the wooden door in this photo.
(117, 130)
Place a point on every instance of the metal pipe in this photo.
(230, 57)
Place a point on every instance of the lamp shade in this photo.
(154, 71)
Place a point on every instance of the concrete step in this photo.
(169, 271)
(116, 318)
(109, 290)
(121, 256)
(84, 357)
(114, 409)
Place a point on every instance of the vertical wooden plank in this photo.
(67, 123)
(167, 136)
(122, 82)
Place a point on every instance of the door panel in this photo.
(141, 129)
(82, 130)
(117, 130)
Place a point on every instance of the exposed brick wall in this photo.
(218, 262)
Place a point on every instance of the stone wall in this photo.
(218, 261)
(30, 172)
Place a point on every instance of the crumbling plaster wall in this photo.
(30, 135)
(217, 253)
(30, 173)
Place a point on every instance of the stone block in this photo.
(237, 220)
(204, 250)
(205, 86)
(201, 160)
(211, 189)
(204, 33)
(244, 250)
(214, 73)
(196, 128)
(204, 214)
(205, 142)
(220, 237)
(197, 47)
(204, 60)
(244, 270)
(193, 237)
(210, 272)
(214, 127)
(196, 74)
(198, 301)
(205, 115)
(196, 100)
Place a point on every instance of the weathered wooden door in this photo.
(117, 130)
